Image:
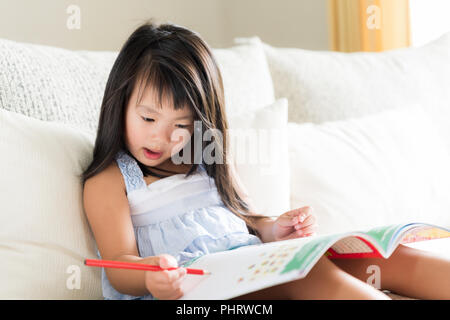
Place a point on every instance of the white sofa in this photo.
(368, 143)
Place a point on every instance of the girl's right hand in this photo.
(165, 284)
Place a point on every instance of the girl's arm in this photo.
(107, 211)
(263, 225)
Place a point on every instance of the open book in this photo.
(251, 268)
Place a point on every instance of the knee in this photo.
(401, 267)
(340, 284)
(326, 269)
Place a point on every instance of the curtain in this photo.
(368, 25)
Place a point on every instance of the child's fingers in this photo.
(173, 288)
(286, 220)
(295, 216)
(311, 228)
(303, 214)
(310, 220)
(173, 275)
(167, 293)
(173, 283)
(301, 232)
(167, 261)
(177, 283)
(176, 294)
(166, 277)
(307, 230)
(295, 212)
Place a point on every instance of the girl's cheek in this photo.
(179, 138)
(132, 132)
(176, 148)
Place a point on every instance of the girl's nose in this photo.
(160, 135)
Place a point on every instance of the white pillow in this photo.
(328, 86)
(56, 84)
(376, 170)
(44, 234)
(259, 147)
(246, 77)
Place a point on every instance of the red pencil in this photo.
(136, 266)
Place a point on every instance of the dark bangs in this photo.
(165, 82)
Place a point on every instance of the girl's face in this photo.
(148, 127)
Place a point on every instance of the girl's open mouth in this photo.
(152, 155)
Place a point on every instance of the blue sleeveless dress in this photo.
(180, 216)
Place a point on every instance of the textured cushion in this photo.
(260, 150)
(53, 84)
(56, 84)
(379, 169)
(326, 86)
(44, 234)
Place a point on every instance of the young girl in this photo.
(152, 194)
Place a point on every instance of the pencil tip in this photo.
(207, 272)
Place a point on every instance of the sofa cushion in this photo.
(370, 171)
(327, 86)
(246, 77)
(44, 234)
(56, 84)
(259, 146)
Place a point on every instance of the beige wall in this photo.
(105, 24)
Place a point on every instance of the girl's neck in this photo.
(171, 168)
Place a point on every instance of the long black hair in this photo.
(174, 61)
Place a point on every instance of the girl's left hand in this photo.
(296, 223)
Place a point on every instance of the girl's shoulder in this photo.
(109, 180)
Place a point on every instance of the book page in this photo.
(416, 232)
(424, 233)
(359, 247)
(353, 247)
(384, 235)
(251, 268)
(246, 269)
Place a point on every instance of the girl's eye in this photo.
(178, 125)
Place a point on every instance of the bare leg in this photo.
(324, 281)
(409, 272)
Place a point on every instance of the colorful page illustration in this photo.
(424, 233)
(353, 248)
